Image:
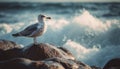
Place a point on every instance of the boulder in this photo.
(95, 67)
(40, 56)
(6, 45)
(10, 54)
(16, 63)
(9, 49)
(43, 51)
(113, 64)
(66, 51)
(23, 63)
(68, 63)
(51, 63)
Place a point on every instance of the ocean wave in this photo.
(89, 21)
(81, 51)
(57, 24)
(93, 56)
(93, 28)
(83, 27)
(5, 28)
(86, 29)
(73, 6)
(25, 5)
(8, 28)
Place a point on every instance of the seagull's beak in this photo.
(48, 17)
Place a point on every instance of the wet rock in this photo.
(113, 64)
(51, 63)
(10, 54)
(65, 50)
(40, 56)
(68, 63)
(22, 63)
(9, 50)
(19, 63)
(95, 67)
(6, 45)
(43, 51)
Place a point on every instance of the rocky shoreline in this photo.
(42, 56)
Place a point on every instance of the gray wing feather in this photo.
(29, 30)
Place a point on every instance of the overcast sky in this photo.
(59, 0)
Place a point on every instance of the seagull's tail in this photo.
(15, 35)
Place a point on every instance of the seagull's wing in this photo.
(29, 30)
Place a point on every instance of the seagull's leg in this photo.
(35, 40)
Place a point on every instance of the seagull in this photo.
(34, 30)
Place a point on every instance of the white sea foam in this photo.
(57, 24)
(87, 20)
(93, 56)
(80, 51)
(8, 28)
(5, 28)
(17, 26)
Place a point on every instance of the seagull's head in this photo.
(43, 17)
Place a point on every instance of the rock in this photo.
(19, 63)
(10, 54)
(40, 56)
(51, 63)
(68, 63)
(66, 51)
(43, 51)
(95, 67)
(9, 50)
(6, 45)
(1, 55)
(22, 63)
(113, 64)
